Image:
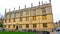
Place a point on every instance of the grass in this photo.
(17, 32)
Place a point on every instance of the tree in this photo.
(1, 25)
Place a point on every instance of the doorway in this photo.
(16, 27)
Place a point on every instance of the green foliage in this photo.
(1, 25)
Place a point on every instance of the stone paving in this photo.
(55, 32)
(52, 32)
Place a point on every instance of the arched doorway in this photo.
(16, 27)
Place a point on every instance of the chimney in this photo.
(46, 2)
(25, 5)
(31, 4)
(42, 2)
(39, 3)
(50, 1)
(19, 7)
(14, 8)
(5, 10)
(9, 9)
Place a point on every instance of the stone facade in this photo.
(57, 24)
(39, 18)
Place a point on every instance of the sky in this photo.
(16, 3)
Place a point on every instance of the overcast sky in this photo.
(16, 3)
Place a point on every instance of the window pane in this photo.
(44, 10)
(8, 26)
(4, 26)
(27, 18)
(9, 20)
(27, 12)
(44, 24)
(14, 20)
(34, 25)
(5, 20)
(6, 15)
(34, 11)
(13, 26)
(14, 15)
(44, 17)
(34, 17)
(27, 25)
(20, 26)
(20, 18)
(21, 13)
(10, 15)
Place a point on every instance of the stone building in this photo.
(35, 18)
(57, 24)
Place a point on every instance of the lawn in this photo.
(17, 32)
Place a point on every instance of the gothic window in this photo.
(27, 18)
(5, 20)
(14, 14)
(44, 10)
(4, 26)
(13, 26)
(34, 18)
(20, 25)
(44, 17)
(9, 20)
(34, 11)
(44, 24)
(21, 13)
(20, 18)
(27, 12)
(13, 19)
(6, 16)
(27, 25)
(8, 26)
(34, 26)
(10, 15)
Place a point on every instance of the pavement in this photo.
(54, 32)
(57, 32)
